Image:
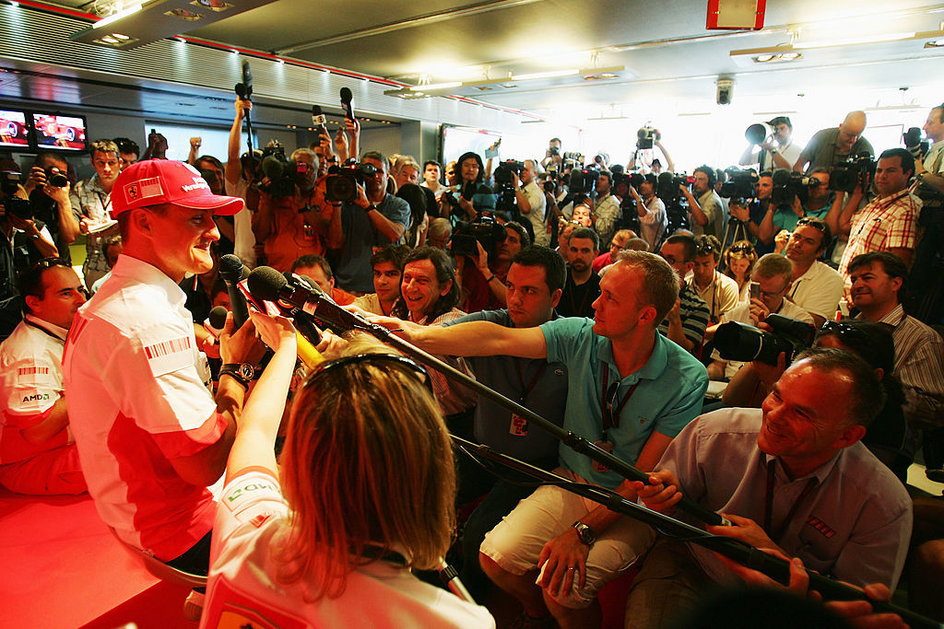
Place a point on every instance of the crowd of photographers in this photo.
(755, 269)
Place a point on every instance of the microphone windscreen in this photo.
(346, 95)
(271, 167)
(781, 177)
(231, 268)
(217, 317)
(266, 283)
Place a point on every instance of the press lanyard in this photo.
(769, 504)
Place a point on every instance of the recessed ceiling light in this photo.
(934, 43)
(780, 57)
(603, 76)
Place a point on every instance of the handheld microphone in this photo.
(232, 271)
(346, 103)
(318, 119)
(216, 320)
(268, 284)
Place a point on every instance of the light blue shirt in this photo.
(670, 393)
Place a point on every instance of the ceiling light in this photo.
(114, 17)
(406, 93)
(870, 39)
(602, 76)
(934, 43)
(780, 57)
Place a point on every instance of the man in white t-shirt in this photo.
(817, 287)
(532, 203)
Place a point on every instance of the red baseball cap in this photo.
(158, 181)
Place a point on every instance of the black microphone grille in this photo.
(346, 95)
(781, 177)
(266, 283)
(217, 317)
(316, 110)
(231, 268)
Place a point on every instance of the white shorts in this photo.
(516, 542)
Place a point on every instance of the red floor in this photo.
(63, 568)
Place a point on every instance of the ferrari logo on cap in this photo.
(131, 191)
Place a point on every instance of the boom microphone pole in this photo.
(265, 283)
(741, 552)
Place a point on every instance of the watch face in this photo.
(246, 371)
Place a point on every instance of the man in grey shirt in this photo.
(792, 477)
(829, 146)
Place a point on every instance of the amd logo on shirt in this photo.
(36, 397)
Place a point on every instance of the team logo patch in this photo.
(820, 526)
(144, 189)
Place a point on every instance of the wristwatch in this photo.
(243, 373)
(584, 533)
(370, 207)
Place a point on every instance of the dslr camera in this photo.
(503, 174)
(9, 184)
(855, 169)
(745, 343)
(483, 230)
(341, 184)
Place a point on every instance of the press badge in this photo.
(519, 426)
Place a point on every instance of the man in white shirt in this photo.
(817, 287)
(776, 151)
(774, 274)
(532, 203)
(717, 290)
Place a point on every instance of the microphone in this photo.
(232, 271)
(267, 284)
(346, 97)
(216, 320)
(272, 167)
(318, 119)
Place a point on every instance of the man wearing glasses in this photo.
(717, 290)
(817, 287)
(687, 320)
(37, 453)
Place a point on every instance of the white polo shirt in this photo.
(136, 400)
(818, 291)
(30, 384)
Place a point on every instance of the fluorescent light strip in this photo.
(875, 39)
(544, 75)
(436, 86)
(117, 16)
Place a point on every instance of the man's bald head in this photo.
(851, 130)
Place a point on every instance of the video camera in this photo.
(741, 184)
(788, 185)
(629, 218)
(914, 143)
(341, 184)
(583, 180)
(503, 174)
(848, 173)
(483, 230)
(667, 186)
(745, 343)
(646, 137)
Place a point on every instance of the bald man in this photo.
(829, 146)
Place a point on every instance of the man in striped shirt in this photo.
(686, 322)
(877, 280)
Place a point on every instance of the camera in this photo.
(503, 174)
(583, 180)
(9, 184)
(789, 185)
(645, 137)
(855, 169)
(740, 184)
(745, 343)
(554, 151)
(667, 185)
(484, 230)
(56, 178)
(622, 182)
(341, 184)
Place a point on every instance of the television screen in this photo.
(59, 132)
(14, 133)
